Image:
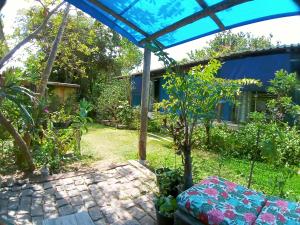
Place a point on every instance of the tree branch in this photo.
(29, 37)
(53, 53)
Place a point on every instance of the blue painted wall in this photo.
(256, 67)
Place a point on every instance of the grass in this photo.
(112, 145)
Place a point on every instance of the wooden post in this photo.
(144, 105)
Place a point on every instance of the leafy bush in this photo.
(166, 205)
(157, 123)
(169, 181)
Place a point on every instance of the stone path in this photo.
(119, 196)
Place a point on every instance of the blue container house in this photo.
(259, 64)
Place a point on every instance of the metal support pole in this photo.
(144, 105)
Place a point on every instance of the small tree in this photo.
(193, 97)
(282, 86)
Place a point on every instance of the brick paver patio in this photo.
(123, 195)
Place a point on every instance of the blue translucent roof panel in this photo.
(153, 16)
(190, 31)
(253, 12)
(212, 2)
(173, 22)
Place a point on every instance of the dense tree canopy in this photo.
(228, 42)
(89, 51)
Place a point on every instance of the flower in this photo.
(281, 218)
(245, 201)
(249, 217)
(203, 218)
(193, 193)
(204, 182)
(267, 217)
(224, 195)
(211, 191)
(46, 110)
(229, 214)
(248, 193)
(215, 216)
(282, 204)
(188, 205)
(230, 185)
(214, 180)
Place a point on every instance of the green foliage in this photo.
(282, 106)
(112, 99)
(125, 113)
(52, 145)
(157, 122)
(166, 205)
(169, 181)
(227, 42)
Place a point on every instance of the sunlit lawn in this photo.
(113, 145)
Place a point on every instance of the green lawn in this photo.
(107, 144)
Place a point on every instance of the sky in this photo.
(285, 30)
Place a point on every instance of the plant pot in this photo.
(164, 220)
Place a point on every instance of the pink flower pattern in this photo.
(218, 201)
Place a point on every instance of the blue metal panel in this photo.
(136, 90)
(258, 67)
(226, 111)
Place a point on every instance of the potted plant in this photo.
(165, 208)
(169, 181)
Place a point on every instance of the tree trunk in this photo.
(29, 37)
(19, 141)
(53, 53)
(188, 177)
(207, 130)
(251, 174)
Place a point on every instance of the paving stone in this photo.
(79, 181)
(82, 187)
(61, 202)
(100, 222)
(95, 213)
(90, 204)
(16, 188)
(51, 215)
(50, 191)
(73, 193)
(49, 208)
(67, 181)
(37, 211)
(3, 206)
(25, 203)
(38, 194)
(11, 213)
(137, 213)
(60, 194)
(111, 197)
(131, 222)
(77, 200)
(147, 220)
(126, 204)
(37, 220)
(13, 203)
(37, 187)
(26, 186)
(66, 210)
(47, 185)
(80, 208)
(26, 192)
